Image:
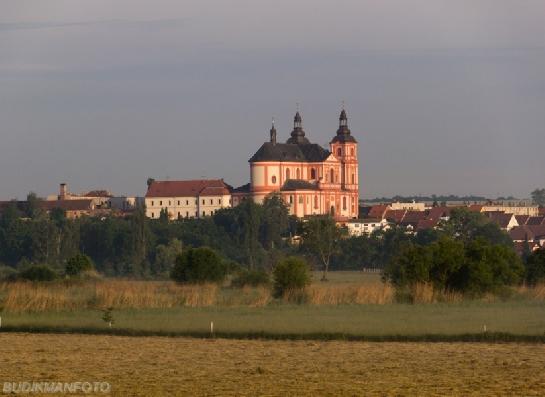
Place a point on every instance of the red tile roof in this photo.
(427, 224)
(413, 217)
(525, 232)
(378, 211)
(522, 219)
(206, 187)
(395, 216)
(68, 205)
(535, 220)
(501, 218)
(476, 207)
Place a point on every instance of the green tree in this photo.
(538, 197)
(535, 267)
(199, 265)
(290, 274)
(274, 222)
(165, 256)
(78, 264)
(321, 238)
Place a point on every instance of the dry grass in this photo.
(156, 366)
(119, 294)
(325, 294)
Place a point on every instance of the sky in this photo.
(444, 97)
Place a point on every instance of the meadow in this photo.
(352, 305)
(157, 366)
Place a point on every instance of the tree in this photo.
(165, 256)
(197, 266)
(290, 274)
(321, 239)
(274, 221)
(535, 267)
(538, 197)
(78, 264)
(32, 207)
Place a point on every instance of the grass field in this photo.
(515, 317)
(157, 366)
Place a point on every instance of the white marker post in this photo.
(211, 328)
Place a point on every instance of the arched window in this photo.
(316, 202)
(273, 179)
(344, 203)
(352, 151)
(287, 173)
(298, 172)
(332, 175)
(353, 179)
(312, 173)
(339, 152)
(301, 200)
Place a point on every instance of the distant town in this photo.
(311, 181)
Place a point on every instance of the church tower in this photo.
(345, 148)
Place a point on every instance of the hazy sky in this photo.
(443, 96)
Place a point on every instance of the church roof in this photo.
(298, 184)
(309, 152)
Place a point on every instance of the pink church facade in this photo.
(310, 179)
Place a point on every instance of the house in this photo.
(187, 199)
(412, 206)
(310, 179)
(365, 227)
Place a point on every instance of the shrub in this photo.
(198, 266)
(7, 273)
(78, 264)
(535, 267)
(252, 278)
(290, 274)
(38, 273)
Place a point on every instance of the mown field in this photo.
(158, 366)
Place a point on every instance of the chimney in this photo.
(63, 191)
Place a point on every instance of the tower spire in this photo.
(273, 133)
(298, 134)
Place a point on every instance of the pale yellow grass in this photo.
(324, 294)
(157, 366)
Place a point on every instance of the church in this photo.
(310, 179)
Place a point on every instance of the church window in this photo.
(298, 174)
(273, 179)
(312, 173)
(287, 174)
(352, 151)
(339, 151)
(301, 200)
(332, 175)
(291, 199)
(353, 179)
(316, 202)
(211, 201)
(344, 203)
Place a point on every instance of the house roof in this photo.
(298, 184)
(378, 211)
(310, 152)
(395, 216)
(526, 232)
(68, 205)
(427, 224)
(501, 218)
(535, 220)
(522, 219)
(476, 207)
(413, 217)
(242, 189)
(191, 188)
(98, 193)
(439, 212)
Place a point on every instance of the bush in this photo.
(252, 278)
(535, 267)
(78, 264)
(39, 273)
(197, 266)
(7, 273)
(290, 274)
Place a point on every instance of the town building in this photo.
(310, 179)
(187, 199)
(366, 227)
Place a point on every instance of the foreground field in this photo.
(155, 366)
